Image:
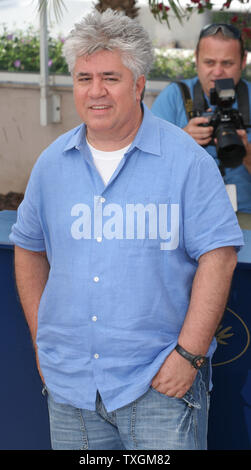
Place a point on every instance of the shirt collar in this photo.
(147, 138)
(76, 138)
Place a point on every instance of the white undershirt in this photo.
(107, 162)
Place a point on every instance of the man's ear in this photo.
(196, 56)
(140, 85)
(244, 61)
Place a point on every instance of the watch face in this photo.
(199, 361)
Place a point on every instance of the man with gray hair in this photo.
(124, 257)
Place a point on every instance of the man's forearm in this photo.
(31, 270)
(247, 159)
(247, 162)
(208, 299)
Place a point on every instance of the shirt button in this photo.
(94, 318)
(102, 199)
(99, 239)
(96, 356)
(96, 278)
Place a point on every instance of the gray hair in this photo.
(111, 30)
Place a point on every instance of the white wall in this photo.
(22, 138)
(186, 35)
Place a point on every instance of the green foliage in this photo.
(19, 51)
(172, 64)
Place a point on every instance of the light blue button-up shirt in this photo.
(169, 105)
(122, 257)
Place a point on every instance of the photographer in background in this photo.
(220, 54)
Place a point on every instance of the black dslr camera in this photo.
(225, 120)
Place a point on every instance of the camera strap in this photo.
(243, 101)
(187, 100)
(199, 103)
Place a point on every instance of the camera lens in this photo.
(230, 148)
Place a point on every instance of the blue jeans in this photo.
(152, 422)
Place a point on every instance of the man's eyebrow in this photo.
(117, 74)
(88, 74)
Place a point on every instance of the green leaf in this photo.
(58, 6)
(176, 9)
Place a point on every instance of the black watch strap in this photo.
(197, 361)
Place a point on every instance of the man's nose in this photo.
(97, 88)
(218, 70)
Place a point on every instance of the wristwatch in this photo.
(197, 361)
